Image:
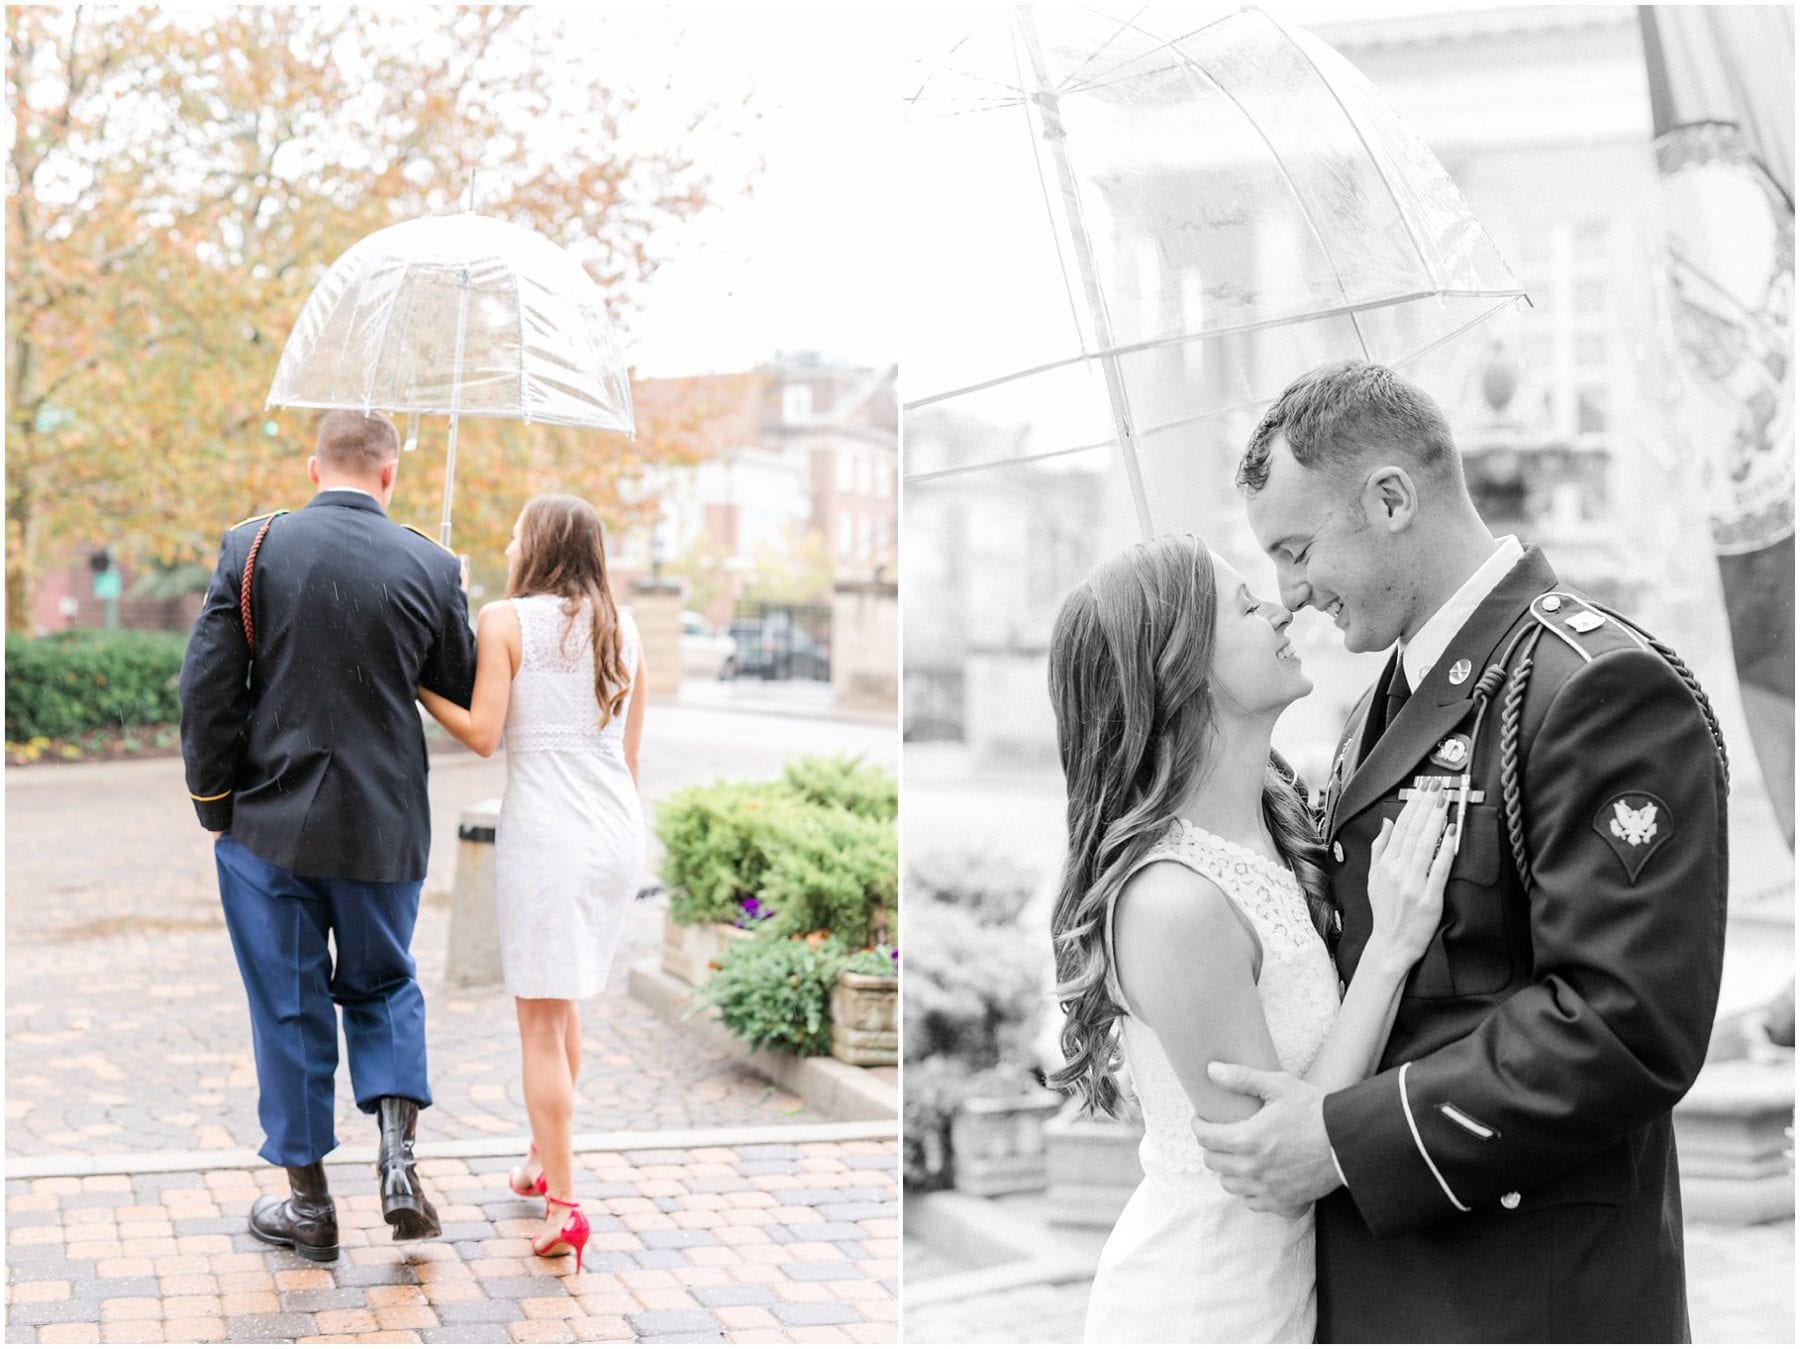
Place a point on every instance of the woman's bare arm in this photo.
(634, 716)
(497, 646)
(1188, 962)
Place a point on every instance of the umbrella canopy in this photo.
(1123, 224)
(463, 316)
(460, 315)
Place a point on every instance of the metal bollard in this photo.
(474, 955)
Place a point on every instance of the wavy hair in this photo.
(1131, 681)
(562, 551)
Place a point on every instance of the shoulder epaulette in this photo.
(252, 519)
(428, 538)
(1584, 628)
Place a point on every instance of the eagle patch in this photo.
(1634, 825)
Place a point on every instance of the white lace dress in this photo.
(569, 847)
(1188, 1262)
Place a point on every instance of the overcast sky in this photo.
(808, 260)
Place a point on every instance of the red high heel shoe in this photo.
(529, 1188)
(574, 1234)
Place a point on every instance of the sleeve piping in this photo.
(1419, 1143)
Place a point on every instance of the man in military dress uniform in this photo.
(1509, 1172)
(306, 759)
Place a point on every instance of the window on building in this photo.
(884, 480)
(796, 402)
(865, 536)
(846, 539)
(863, 486)
(846, 471)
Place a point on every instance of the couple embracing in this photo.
(1406, 1064)
(306, 760)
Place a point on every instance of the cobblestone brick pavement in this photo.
(760, 1244)
(156, 1053)
(1740, 1291)
(126, 1024)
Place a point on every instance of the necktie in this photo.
(1398, 691)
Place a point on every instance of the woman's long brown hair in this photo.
(1130, 676)
(562, 551)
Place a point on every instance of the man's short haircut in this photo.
(1338, 416)
(356, 442)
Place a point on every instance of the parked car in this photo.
(772, 651)
(706, 654)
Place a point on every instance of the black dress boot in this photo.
(403, 1201)
(305, 1220)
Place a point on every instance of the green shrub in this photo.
(836, 872)
(60, 686)
(880, 962)
(862, 789)
(973, 993)
(993, 889)
(816, 848)
(719, 842)
(973, 997)
(933, 1089)
(775, 993)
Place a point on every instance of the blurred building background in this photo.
(1566, 411)
(799, 489)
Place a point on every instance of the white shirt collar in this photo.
(370, 495)
(1427, 645)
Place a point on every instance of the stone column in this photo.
(657, 607)
(865, 644)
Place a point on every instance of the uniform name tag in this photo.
(1426, 782)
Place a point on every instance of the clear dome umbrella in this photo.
(1122, 224)
(458, 316)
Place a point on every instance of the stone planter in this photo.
(1734, 1136)
(998, 1142)
(690, 950)
(865, 1026)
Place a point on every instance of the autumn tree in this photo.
(797, 571)
(179, 181)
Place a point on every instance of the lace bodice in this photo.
(553, 705)
(1298, 985)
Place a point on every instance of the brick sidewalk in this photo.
(794, 1243)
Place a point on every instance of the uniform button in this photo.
(1510, 1199)
(1337, 851)
(1552, 604)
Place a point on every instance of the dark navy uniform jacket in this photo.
(1511, 1166)
(312, 754)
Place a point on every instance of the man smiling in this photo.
(1509, 1173)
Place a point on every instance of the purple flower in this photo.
(752, 911)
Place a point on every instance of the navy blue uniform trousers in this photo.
(279, 925)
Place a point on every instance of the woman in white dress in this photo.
(1190, 927)
(559, 669)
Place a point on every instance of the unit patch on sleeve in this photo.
(1634, 825)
